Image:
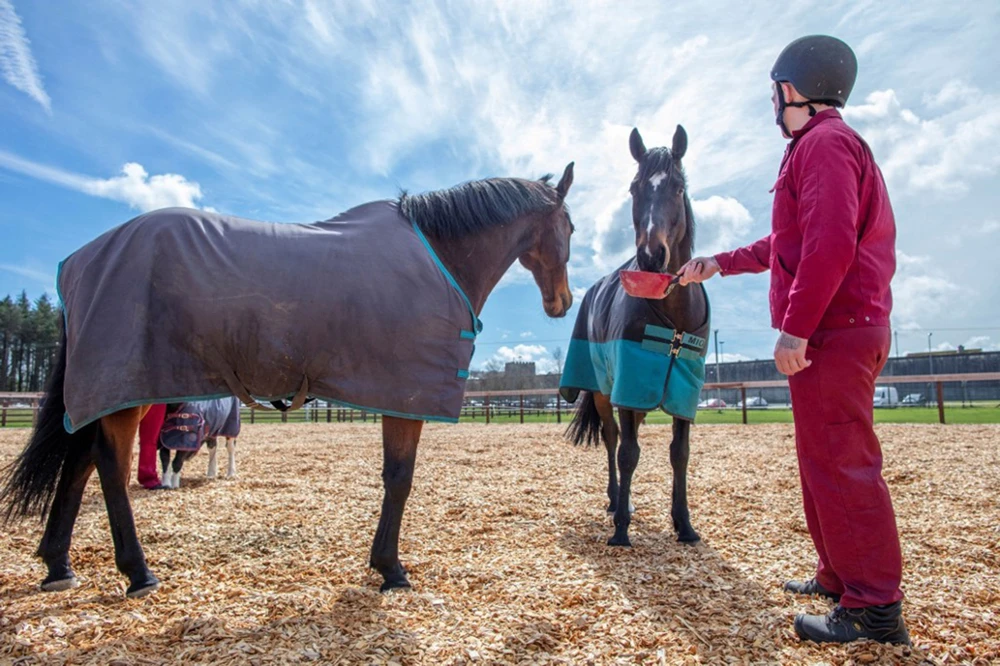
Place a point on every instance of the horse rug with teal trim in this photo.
(627, 349)
(179, 305)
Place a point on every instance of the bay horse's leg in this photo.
(628, 460)
(231, 451)
(114, 457)
(609, 435)
(399, 453)
(54, 548)
(680, 450)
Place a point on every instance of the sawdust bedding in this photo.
(504, 538)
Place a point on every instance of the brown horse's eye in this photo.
(680, 191)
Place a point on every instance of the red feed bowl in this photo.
(643, 284)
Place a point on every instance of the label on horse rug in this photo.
(189, 424)
(627, 349)
(179, 305)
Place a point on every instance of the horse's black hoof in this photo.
(622, 541)
(60, 585)
(143, 587)
(395, 584)
(689, 538)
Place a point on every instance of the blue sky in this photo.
(296, 110)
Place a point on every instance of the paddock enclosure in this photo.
(504, 539)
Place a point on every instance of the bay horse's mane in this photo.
(477, 205)
(659, 160)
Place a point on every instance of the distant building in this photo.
(519, 369)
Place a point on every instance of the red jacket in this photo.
(831, 250)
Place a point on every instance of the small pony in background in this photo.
(188, 425)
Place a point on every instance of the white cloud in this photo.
(990, 227)
(943, 154)
(527, 334)
(48, 279)
(16, 61)
(134, 186)
(920, 291)
(538, 354)
(723, 224)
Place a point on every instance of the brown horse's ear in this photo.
(680, 145)
(636, 145)
(567, 179)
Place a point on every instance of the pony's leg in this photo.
(628, 460)
(609, 435)
(399, 453)
(54, 548)
(231, 451)
(213, 450)
(164, 464)
(114, 456)
(680, 449)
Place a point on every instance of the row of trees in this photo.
(29, 340)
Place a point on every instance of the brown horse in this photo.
(477, 229)
(664, 239)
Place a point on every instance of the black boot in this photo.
(811, 586)
(843, 625)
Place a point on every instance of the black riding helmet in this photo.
(822, 68)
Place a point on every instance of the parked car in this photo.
(886, 396)
(755, 402)
(913, 400)
(712, 403)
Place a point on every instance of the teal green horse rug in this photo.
(180, 305)
(626, 348)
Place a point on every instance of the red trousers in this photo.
(847, 504)
(149, 434)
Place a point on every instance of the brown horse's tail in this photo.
(30, 481)
(586, 424)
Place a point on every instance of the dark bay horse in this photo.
(477, 230)
(664, 240)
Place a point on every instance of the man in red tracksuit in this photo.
(831, 255)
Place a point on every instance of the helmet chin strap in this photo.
(779, 119)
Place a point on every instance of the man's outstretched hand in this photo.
(698, 269)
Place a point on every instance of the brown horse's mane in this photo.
(477, 205)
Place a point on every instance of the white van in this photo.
(886, 396)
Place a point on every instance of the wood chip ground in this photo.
(504, 538)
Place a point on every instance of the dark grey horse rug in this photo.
(189, 424)
(180, 305)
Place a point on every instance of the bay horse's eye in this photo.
(680, 190)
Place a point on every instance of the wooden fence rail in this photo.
(21, 409)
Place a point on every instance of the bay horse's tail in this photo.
(586, 424)
(30, 481)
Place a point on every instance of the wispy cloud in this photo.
(133, 186)
(47, 279)
(16, 61)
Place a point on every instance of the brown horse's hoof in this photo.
(390, 585)
(622, 541)
(144, 588)
(60, 585)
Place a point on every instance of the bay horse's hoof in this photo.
(688, 539)
(60, 585)
(142, 588)
(622, 541)
(390, 585)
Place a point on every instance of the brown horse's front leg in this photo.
(399, 453)
(114, 458)
(628, 460)
(680, 450)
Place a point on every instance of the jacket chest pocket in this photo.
(785, 207)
